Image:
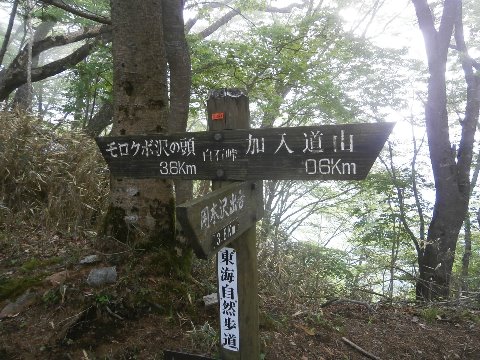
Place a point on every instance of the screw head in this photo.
(217, 136)
(220, 173)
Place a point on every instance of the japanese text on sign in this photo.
(329, 152)
(150, 147)
(222, 208)
(225, 233)
(228, 299)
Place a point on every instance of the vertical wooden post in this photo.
(229, 109)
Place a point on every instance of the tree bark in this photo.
(8, 33)
(100, 120)
(22, 100)
(15, 75)
(142, 211)
(451, 169)
(179, 66)
(467, 253)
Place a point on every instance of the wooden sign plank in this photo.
(329, 152)
(173, 355)
(221, 216)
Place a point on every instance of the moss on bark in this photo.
(164, 254)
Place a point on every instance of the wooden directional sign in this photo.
(328, 152)
(221, 216)
(174, 355)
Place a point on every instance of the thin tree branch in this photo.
(100, 120)
(314, 203)
(15, 75)
(219, 23)
(86, 15)
(234, 12)
(470, 121)
(65, 39)
(190, 23)
(451, 13)
(476, 172)
(426, 24)
(56, 67)
(348, 301)
(416, 193)
(8, 33)
(359, 349)
(286, 9)
(391, 171)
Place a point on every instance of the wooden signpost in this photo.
(174, 355)
(230, 151)
(220, 217)
(328, 152)
(237, 264)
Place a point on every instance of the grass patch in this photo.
(34, 264)
(432, 314)
(12, 288)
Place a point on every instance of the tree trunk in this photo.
(436, 261)
(143, 211)
(100, 120)
(467, 253)
(8, 32)
(24, 95)
(466, 256)
(451, 169)
(179, 67)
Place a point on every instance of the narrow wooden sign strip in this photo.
(173, 355)
(221, 216)
(329, 152)
(227, 272)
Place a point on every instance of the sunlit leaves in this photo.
(90, 85)
(49, 13)
(303, 69)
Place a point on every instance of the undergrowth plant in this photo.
(50, 178)
(204, 337)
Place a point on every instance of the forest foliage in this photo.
(307, 66)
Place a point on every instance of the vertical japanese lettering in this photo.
(228, 299)
(204, 218)
(227, 257)
(219, 209)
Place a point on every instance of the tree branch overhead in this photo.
(86, 15)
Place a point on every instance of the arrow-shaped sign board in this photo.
(328, 152)
(221, 216)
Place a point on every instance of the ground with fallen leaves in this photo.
(50, 312)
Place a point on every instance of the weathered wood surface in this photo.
(233, 103)
(221, 216)
(174, 355)
(328, 152)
